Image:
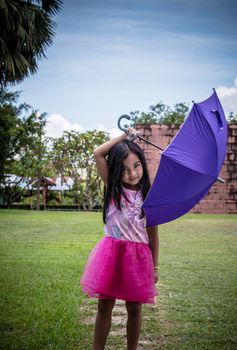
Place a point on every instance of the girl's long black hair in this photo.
(114, 187)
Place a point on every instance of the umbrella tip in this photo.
(213, 89)
(193, 101)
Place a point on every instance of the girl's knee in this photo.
(105, 305)
(133, 308)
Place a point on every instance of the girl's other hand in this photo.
(156, 276)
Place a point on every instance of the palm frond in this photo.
(27, 30)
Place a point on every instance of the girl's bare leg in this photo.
(134, 324)
(102, 323)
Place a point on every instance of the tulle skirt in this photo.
(119, 269)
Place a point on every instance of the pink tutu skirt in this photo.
(119, 269)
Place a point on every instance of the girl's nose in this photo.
(132, 172)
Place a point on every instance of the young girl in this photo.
(124, 264)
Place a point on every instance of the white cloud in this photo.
(100, 127)
(228, 97)
(115, 132)
(112, 132)
(56, 124)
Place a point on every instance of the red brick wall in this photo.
(222, 198)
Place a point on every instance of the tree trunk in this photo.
(38, 195)
(44, 195)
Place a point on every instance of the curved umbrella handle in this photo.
(124, 116)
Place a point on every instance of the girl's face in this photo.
(132, 171)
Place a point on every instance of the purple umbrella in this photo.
(190, 164)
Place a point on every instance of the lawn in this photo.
(42, 306)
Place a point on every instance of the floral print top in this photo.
(127, 224)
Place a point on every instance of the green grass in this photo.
(42, 307)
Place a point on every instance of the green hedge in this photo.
(72, 207)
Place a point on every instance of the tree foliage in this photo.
(11, 128)
(72, 155)
(23, 147)
(232, 118)
(27, 29)
(26, 152)
(161, 114)
(22, 136)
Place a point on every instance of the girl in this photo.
(124, 264)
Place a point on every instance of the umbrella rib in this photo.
(203, 116)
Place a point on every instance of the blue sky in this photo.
(112, 57)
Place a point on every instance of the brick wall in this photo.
(222, 198)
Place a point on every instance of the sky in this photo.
(111, 57)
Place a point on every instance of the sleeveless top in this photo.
(127, 224)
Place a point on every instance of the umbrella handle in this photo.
(124, 116)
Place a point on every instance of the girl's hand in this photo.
(156, 276)
(132, 134)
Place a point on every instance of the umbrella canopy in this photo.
(190, 164)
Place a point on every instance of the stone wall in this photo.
(222, 198)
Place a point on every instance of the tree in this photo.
(177, 115)
(161, 114)
(143, 118)
(26, 30)
(72, 155)
(23, 147)
(11, 129)
(33, 157)
(232, 119)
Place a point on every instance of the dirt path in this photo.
(117, 336)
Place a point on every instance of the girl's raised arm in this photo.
(100, 154)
